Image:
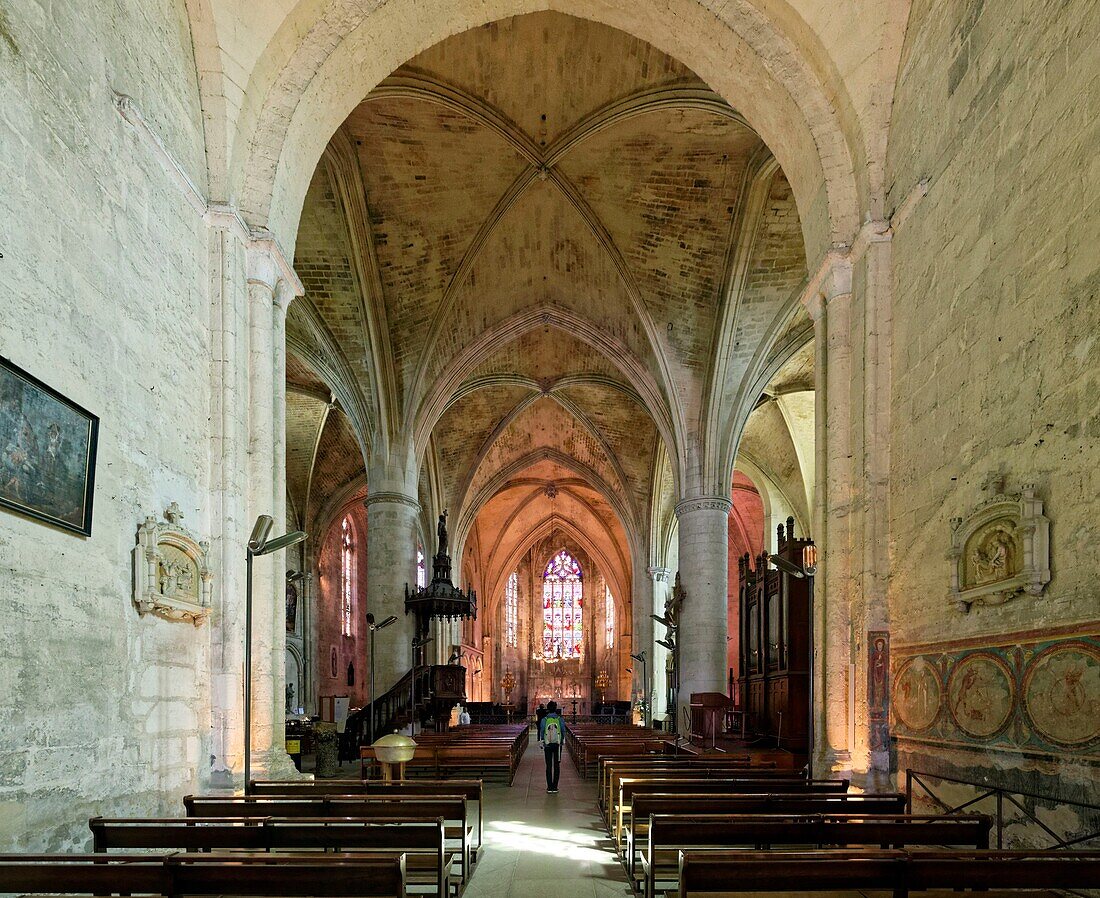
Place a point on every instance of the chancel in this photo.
(714, 380)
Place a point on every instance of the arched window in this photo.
(421, 567)
(609, 618)
(347, 576)
(562, 601)
(511, 611)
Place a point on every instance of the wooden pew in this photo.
(486, 751)
(586, 753)
(647, 804)
(277, 876)
(701, 764)
(629, 786)
(422, 842)
(903, 873)
(471, 790)
(453, 811)
(626, 783)
(669, 834)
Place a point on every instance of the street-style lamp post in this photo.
(374, 628)
(258, 544)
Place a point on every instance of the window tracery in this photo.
(511, 611)
(562, 604)
(609, 618)
(421, 567)
(347, 576)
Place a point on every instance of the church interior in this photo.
(724, 373)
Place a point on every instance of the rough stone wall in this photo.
(103, 279)
(995, 359)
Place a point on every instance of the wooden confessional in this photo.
(776, 647)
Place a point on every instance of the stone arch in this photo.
(542, 530)
(326, 57)
(448, 384)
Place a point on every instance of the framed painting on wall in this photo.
(47, 452)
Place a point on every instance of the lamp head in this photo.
(392, 619)
(663, 620)
(260, 531)
(295, 576)
(786, 567)
(639, 657)
(280, 542)
(667, 645)
(809, 559)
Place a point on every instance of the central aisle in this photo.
(545, 846)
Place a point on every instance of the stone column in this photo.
(641, 637)
(830, 309)
(658, 578)
(392, 515)
(262, 281)
(870, 567)
(268, 296)
(703, 555)
(280, 303)
(228, 521)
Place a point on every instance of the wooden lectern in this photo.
(708, 710)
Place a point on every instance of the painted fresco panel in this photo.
(1038, 694)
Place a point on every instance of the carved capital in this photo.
(659, 574)
(704, 503)
(269, 266)
(392, 498)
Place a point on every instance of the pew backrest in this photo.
(278, 876)
(898, 871)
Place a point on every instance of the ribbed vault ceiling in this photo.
(534, 222)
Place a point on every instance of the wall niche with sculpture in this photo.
(1001, 550)
(172, 578)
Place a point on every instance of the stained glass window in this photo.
(511, 610)
(347, 575)
(609, 618)
(421, 567)
(562, 601)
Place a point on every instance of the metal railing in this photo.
(1001, 795)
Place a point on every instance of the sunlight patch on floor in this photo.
(544, 840)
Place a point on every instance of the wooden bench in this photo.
(669, 834)
(646, 804)
(586, 754)
(700, 765)
(471, 790)
(453, 811)
(422, 842)
(277, 876)
(487, 754)
(717, 782)
(901, 873)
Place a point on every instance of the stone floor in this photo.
(545, 846)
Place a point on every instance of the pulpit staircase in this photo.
(438, 688)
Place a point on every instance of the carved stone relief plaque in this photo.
(1000, 550)
(171, 577)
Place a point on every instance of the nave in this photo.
(373, 365)
(545, 846)
(674, 821)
